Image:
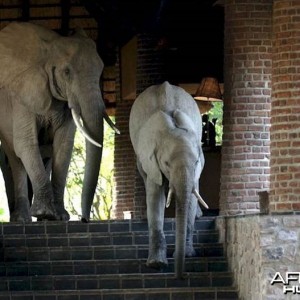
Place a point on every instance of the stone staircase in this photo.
(106, 261)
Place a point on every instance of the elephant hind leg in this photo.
(8, 179)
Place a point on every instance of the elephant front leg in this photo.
(27, 149)
(62, 152)
(42, 206)
(157, 257)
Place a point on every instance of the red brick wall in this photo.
(255, 50)
(130, 193)
(150, 70)
(247, 73)
(124, 162)
(285, 131)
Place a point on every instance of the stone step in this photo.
(95, 239)
(107, 261)
(115, 281)
(55, 227)
(97, 267)
(17, 254)
(195, 293)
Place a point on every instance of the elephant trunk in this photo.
(91, 173)
(181, 226)
(92, 117)
(183, 190)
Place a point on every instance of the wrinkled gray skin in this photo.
(165, 130)
(42, 77)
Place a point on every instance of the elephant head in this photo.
(49, 70)
(74, 71)
(174, 152)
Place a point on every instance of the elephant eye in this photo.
(67, 71)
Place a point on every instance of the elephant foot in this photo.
(157, 263)
(62, 214)
(17, 216)
(21, 212)
(85, 220)
(190, 251)
(43, 211)
(157, 257)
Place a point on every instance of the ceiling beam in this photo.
(25, 11)
(65, 17)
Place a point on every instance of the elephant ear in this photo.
(183, 121)
(24, 51)
(32, 90)
(79, 32)
(146, 151)
(150, 167)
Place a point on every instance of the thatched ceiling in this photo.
(193, 29)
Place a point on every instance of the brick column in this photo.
(124, 162)
(247, 73)
(285, 130)
(130, 192)
(124, 158)
(150, 70)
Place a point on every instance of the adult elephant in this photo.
(45, 79)
(165, 130)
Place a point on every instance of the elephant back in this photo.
(22, 46)
(164, 97)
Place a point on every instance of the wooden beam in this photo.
(25, 10)
(65, 17)
(191, 88)
(128, 69)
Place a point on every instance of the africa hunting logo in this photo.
(287, 281)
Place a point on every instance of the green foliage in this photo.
(217, 113)
(2, 215)
(102, 204)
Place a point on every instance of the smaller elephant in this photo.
(165, 130)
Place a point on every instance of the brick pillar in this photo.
(124, 158)
(285, 130)
(150, 70)
(124, 162)
(130, 192)
(150, 62)
(247, 75)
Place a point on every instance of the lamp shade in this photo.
(209, 90)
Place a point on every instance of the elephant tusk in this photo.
(169, 198)
(81, 128)
(199, 198)
(110, 123)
